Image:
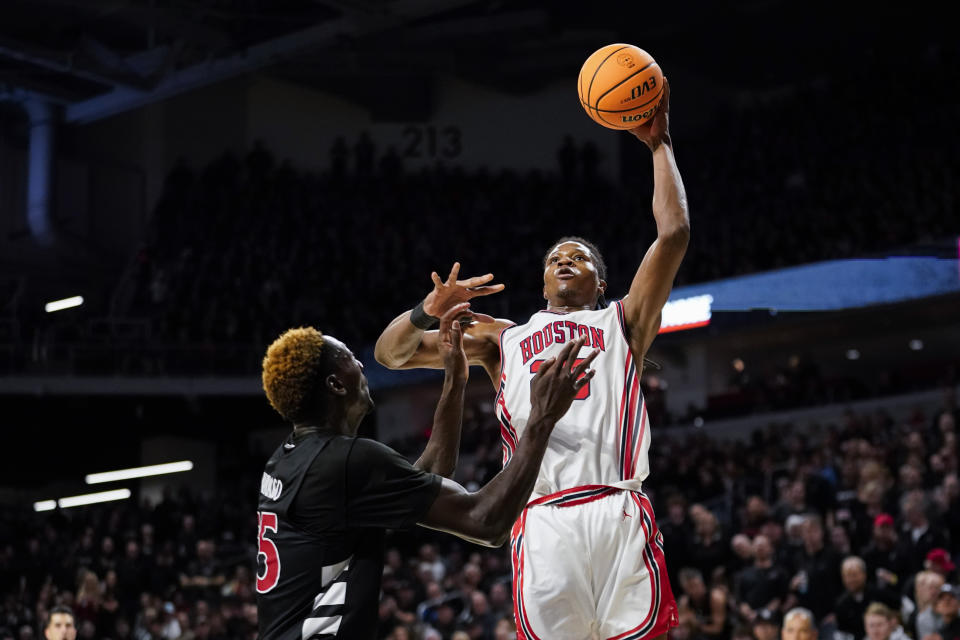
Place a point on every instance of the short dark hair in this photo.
(60, 608)
(594, 251)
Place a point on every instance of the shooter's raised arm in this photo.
(654, 278)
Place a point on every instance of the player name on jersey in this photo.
(271, 487)
(560, 331)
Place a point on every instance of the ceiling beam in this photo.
(67, 63)
(257, 56)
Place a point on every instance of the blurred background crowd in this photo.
(242, 248)
(862, 510)
(255, 243)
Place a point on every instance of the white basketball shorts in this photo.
(588, 563)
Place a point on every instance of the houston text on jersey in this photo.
(560, 331)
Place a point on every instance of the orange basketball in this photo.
(620, 86)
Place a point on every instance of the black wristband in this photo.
(421, 319)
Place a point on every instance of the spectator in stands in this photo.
(816, 582)
(947, 608)
(922, 618)
(766, 625)
(741, 632)
(947, 498)
(480, 618)
(742, 555)
(677, 535)
(799, 624)
(60, 624)
(709, 608)
(500, 599)
(756, 514)
(707, 549)
(918, 537)
(886, 566)
(506, 629)
(763, 586)
(881, 623)
(857, 596)
(204, 573)
(793, 501)
(938, 561)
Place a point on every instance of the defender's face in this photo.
(350, 372)
(570, 276)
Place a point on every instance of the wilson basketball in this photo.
(620, 86)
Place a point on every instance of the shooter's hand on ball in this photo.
(656, 131)
(447, 294)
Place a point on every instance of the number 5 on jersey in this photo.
(584, 392)
(267, 521)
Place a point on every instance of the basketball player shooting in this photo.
(587, 553)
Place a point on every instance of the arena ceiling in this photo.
(102, 57)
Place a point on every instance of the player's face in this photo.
(350, 372)
(570, 276)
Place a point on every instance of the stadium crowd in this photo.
(861, 513)
(786, 178)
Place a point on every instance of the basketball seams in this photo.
(597, 70)
(607, 92)
(611, 125)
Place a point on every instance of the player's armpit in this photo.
(454, 511)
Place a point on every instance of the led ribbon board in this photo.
(830, 286)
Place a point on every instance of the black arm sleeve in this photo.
(383, 489)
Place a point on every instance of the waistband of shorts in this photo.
(576, 495)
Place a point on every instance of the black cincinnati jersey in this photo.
(325, 503)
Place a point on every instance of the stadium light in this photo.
(45, 505)
(60, 305)
(686, 313)
(93, 498)
(139, 472)
(78, 501)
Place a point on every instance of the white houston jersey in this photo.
(604, 438)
